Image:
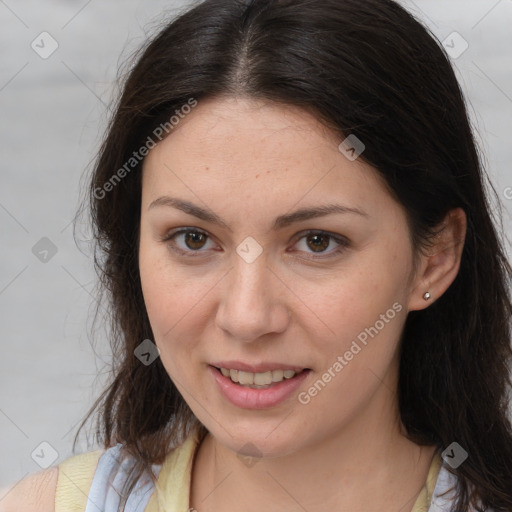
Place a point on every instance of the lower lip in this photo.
(250, 398)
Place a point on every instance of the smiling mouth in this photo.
(260, 380)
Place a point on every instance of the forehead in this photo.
(242, 126)
(247, 149)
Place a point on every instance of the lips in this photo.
(255, 396)
(257, 368)
(260, 375)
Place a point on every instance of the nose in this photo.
(252, 302)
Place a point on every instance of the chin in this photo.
(258, 440)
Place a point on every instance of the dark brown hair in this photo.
(363, 67)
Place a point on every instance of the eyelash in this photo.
(343, 242)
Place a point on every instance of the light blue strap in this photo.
(111, 474)
(445, 481)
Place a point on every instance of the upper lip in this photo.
(257, 368)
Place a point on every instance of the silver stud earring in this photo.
(426, 296)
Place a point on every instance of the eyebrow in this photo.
(280, 222)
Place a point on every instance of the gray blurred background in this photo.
(53, 111)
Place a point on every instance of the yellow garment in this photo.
(423, 500)
(173, 485)
(74, 482)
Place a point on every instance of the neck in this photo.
(367, 465)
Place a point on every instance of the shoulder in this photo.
(56, 489)
(35, 493)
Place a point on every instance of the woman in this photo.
(309, 295)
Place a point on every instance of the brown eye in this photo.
(195, 240)
(188, 242)
(318, 242)
(322, 243)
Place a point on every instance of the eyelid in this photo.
(334, 236)
(170, 235)
(342, 241)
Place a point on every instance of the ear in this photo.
(439, 267)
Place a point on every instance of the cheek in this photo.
(366, 315)
(165, 295)
(165, 304)
(355, 296)
(175, 303)
(364, 309)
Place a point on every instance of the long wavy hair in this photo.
(363, 67)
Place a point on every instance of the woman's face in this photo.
(236, 274)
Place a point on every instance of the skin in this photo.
(35, 493)
(250, 162)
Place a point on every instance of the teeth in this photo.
(257, 380)
(245, 377)
(262, 379)
(277, 375)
